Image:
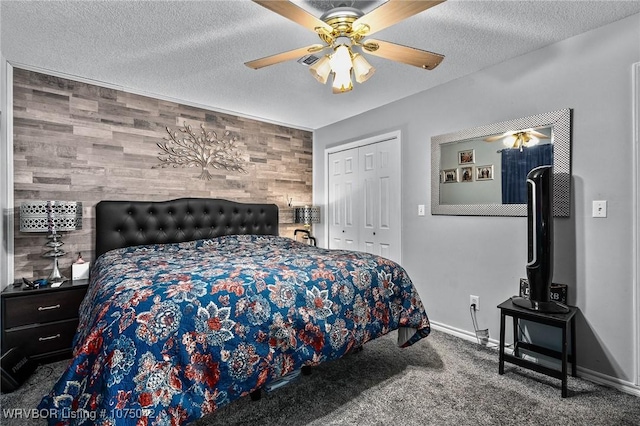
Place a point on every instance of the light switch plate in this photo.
(599, 208)
(420, 209)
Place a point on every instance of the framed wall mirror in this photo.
(482, 171)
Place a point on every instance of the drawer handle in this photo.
(46, 308)
(42, 339)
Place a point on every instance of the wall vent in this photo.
(308, 60)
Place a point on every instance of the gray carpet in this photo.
(442, 380)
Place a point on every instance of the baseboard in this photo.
(463, 334)
(609, 381)
(584, 373)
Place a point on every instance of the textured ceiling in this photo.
(195, 51)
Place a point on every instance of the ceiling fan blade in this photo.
(497, 137)
(404, 54)
(537, 134)
(391, 12)
(284, 56)
(295, 13)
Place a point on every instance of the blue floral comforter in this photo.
(168, 333)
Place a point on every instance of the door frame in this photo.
(6, 183)
(395, 135)
(636, 212)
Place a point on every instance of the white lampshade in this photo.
(342, 82)
(321, 69)
(362, 69)
(341, 59)
(509, 141)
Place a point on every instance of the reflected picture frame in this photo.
(466, 174)
(484, 172)
(468, 156)
(449, 176)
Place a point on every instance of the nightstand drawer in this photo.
(41, 339)
(43, 307)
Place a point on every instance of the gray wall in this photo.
(590, 73)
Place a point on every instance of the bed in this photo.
(194, 303)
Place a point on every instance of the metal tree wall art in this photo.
(203, 150)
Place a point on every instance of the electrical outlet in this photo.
(474, 300)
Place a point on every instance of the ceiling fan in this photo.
(343, 28)
(519, 138)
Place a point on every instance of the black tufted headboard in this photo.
(131, 223)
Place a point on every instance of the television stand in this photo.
(564, 321)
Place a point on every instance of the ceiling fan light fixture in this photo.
(341, 59)
(521, 139)
(342, 82)
(510, 141)
(362, 69)
(321, 69)
(532, 141)
(343, 27)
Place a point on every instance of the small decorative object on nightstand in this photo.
(52, 217)
(306, 215)
(42, 321)
(80, 269)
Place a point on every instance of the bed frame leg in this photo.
(306, 370)
(256, 395)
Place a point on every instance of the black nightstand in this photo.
(42, 321)
(565, 322)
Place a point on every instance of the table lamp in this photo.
(306, 215)
(52, 217)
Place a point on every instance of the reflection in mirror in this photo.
(482, 161)
(482, 171)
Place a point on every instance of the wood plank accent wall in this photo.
(75, 141)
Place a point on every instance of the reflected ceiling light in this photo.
(519, 138)
(523, 138)
(362, 69)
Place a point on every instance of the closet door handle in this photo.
(374, 233)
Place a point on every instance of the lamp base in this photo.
(55, 277)
(544, 307)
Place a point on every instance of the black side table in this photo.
(42, 321)
(562, 321)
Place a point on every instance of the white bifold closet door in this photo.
(364, 199)
(343, 205)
